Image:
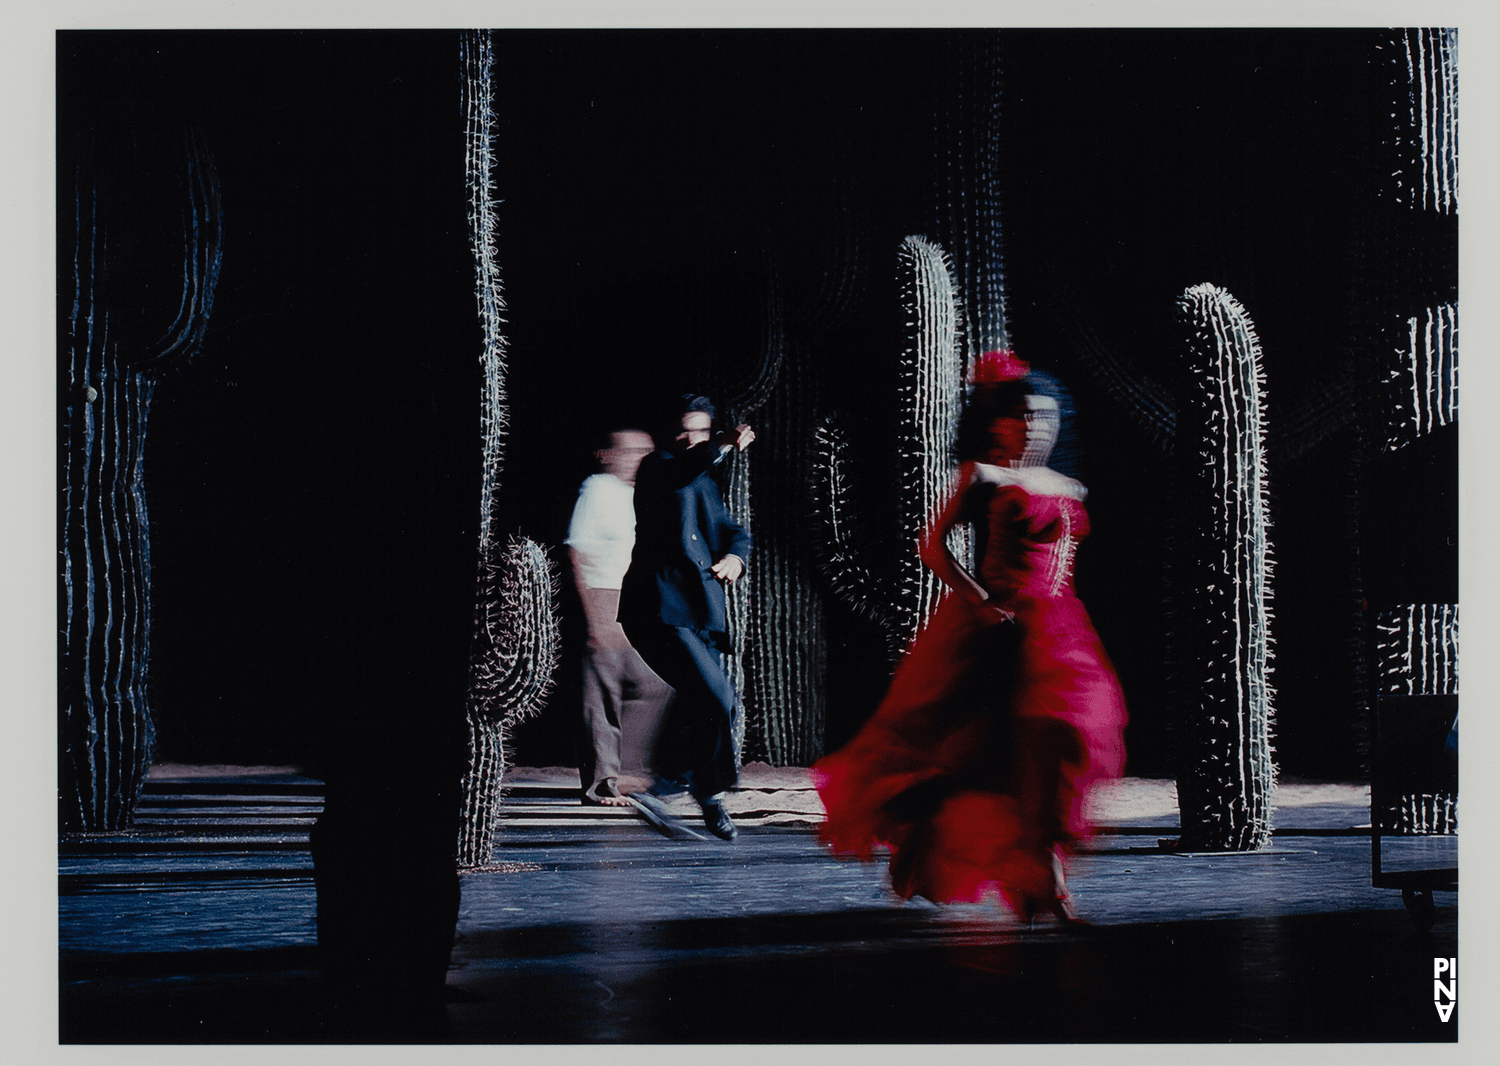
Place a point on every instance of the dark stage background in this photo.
(313, 475)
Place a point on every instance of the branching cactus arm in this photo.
(118, 336)
(1223, 642)
(930, 390)
(837, 526)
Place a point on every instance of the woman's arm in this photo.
(934, 547)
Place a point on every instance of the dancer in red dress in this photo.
(1005, 711)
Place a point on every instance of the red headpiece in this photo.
(998, 367)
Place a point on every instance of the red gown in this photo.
(975, 769)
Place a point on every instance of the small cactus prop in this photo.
(515, 655)
(1223, 649)
(516, 639)
(123, 324)
(930, 389)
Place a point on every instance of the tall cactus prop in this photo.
(1219, 643)
(1407, 263)
(930, 391)
(1415, 644)
(742, 402)
(969, 211)
(1223, 650)
(123, 324)
(780, 607)
(785, 656)
(516, 640)
(775, 612)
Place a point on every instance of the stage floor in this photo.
(589, 928)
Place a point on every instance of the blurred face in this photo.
(1007, 438)
(696, 426)
(623, 457)
(1042, 426)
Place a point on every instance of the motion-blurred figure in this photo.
(687, 549)
(975, 768)
(622, 699)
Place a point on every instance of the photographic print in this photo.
(757, 536)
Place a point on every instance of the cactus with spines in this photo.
(1218, 643)
(742, 402)
(1223, 646)
(1419, 330)
(1418, 395)
(930, 390)
(970, 221)
(516, 639)
(969, 181)
(775, 612)
(125, 324)
(515, 656)
(784, 659)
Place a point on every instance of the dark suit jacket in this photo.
(681, 529)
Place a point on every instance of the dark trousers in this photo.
(695, 745)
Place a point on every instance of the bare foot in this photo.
(613, 801)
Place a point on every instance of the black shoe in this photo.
(717, 820)
(655, 812)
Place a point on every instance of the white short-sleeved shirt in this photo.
(602, 531)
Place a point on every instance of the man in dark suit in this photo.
(687, 548)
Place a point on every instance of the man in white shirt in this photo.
(622, 699)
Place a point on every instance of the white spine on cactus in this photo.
(518, 635)
(1432, 94)
(737, 599)
(478, 58)
(1234, 678)
(931, 387)
(1425, 376)
(1416, 646)
(841, 558)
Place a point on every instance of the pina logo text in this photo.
(1440, 991)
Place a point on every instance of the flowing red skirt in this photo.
(975, 770)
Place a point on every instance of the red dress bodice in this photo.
(1031, 543)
